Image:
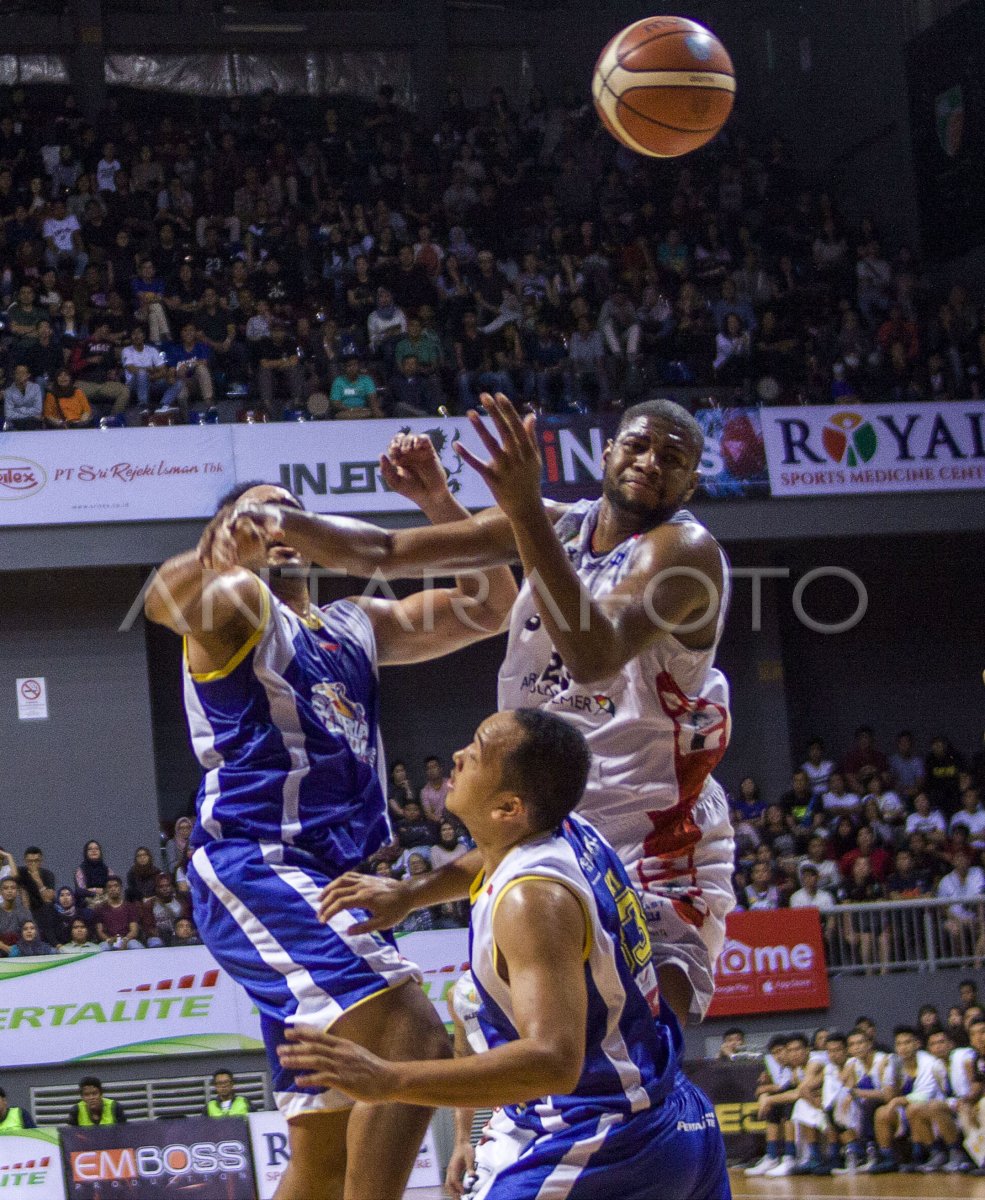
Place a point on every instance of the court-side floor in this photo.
(885, 1187)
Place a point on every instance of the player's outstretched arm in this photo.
(462, 1161)
(540, 931)
(675, 585)
(388, 901)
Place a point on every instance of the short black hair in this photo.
(864, 729)
(776, 1042)
(798, 1037)
(901, 1029)
(964, 982)
(975, 1021)
(240, 490)
(836, 1036)
(661, 409)
(548, 767)
(3, 1094)
(733, 1031)
(223, 1071)
(33, 850)
(114, 879)
(90, 1081)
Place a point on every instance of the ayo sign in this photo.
(858, 448)
(772, 962)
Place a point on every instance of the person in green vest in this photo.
(226, 1103)
(12, 1118)
(94, 1108)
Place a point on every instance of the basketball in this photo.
(664, 86)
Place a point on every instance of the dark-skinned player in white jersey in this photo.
(615, 628)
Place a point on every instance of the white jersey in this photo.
(930, 1081)
(656, 729)
(466, 1003)
(879, 1075)
(961, 1071)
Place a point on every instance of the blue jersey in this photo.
(632, 1042)
(288, 735)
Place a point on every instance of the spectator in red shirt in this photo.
(117, 920)
(862, 754)
(880, 861)
(897, 328)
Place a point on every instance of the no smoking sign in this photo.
(32, 698)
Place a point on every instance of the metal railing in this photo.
(912, 935)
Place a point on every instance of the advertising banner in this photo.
(772, 962)
(195, 1157)
(271, 1154)
(868, 448)
(31, 1165)
(72, 1008)
(88, 476)
(731, 1087)
(733, 463)
(333, 466)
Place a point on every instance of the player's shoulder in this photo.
(681, 542)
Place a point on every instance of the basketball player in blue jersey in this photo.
(616, 628)
(282, 703)
(583, 1057)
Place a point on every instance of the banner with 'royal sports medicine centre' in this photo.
(86, 1007)
(859, 448)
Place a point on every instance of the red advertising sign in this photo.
(772, 962)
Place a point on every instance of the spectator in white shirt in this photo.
(107, 168)
(907, 767)
(965, 922)
(837, 801)
(144, 369)
(435, 789)
(63, 239)
(829, 874)
(891, 807)
(810, 894)
(971, 814)
(926, 820)
(818, 767)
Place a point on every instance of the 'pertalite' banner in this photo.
(855, 448)
(132, 1004)
(31, 1165)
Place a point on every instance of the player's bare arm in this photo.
(540, 932)
(389, 901)
(674, 589)
(462, 1161)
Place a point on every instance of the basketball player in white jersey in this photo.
(616, 629)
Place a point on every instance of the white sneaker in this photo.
(766, 1163)
(784, 1167)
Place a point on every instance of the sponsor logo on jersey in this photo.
(341, 715)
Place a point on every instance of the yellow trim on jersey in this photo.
(475, 888)
(589, 942)
(241, 653)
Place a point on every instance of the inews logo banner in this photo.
(857, 448)
(772, 962)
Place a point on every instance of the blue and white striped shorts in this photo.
(256, 907)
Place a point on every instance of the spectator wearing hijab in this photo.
(174, 850)
(91, 876)
(141, 876)
(66, 912)
(30, 943)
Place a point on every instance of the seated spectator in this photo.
(864, 753)
(66, 911)
(162, 910)
(733, 352)
(188, 360)
(141, 877)
(30, 943)
(818, 767)
(385, 326)
(586, 365)
(971, 815)
(12, 1117)
(778, 831)
(353, 394)
(414, 829)
(425, 347)
(23, 402)
(46, 357)
(548, 359)
(91, 876)
(401, 789)
(968, 993)
(733, 1043)
(148, 292)
(13, 914)
(408, 393)
(906, 767)
(38, 884)
(117, 920)
(175, 847)
(889, 804)
(942, 768)
(145, 371)
(79, 940)
(965, 922)
(761, 893)
(185, 933)
(93, 364)
(450, 845)
(863, 931)
(8, 866)
(226, 1102)
(926, 820)
(810, 894)
(907, 881)
(94, 1108)
(797, 801)
(837, 800)
(279, 371)
(435, 789)
(424, 918)
(66, 406)
(880, 860)
(63, 239)
(829, 875)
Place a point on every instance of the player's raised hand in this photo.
(411, 468)
(323, 1060)
(386, 900)
(512, 472)
(239, 536)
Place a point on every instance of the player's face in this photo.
(280, 555)
(477, 773)
(976, 1035)
(650, 469)
(837, 1053)
(906, 1045)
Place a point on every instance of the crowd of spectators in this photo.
(852, 1103)
(150, 906)
(871, 827)
(351, 263)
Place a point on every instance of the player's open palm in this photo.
(512, 472)
(411, 468)
(385, 900)
(323, 1060)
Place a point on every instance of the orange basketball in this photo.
(664, 86)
